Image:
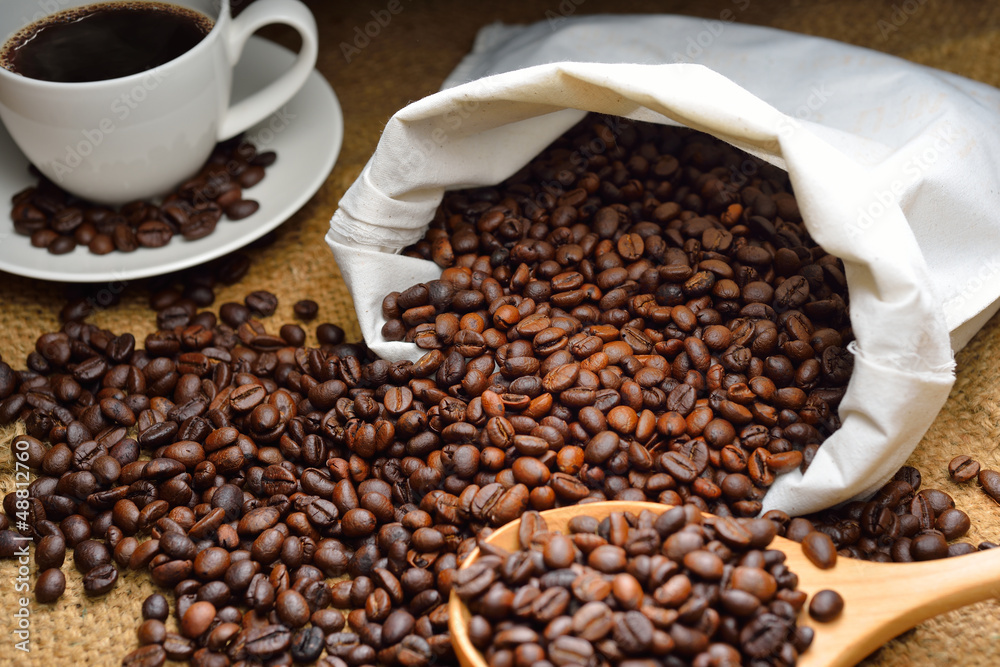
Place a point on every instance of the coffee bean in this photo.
(704, 564)
(155, 607)
(211, 563)
(306, 309)
(50, 585)
(50, 552)
(826, 605)
(152, 655)
(152, 631)
(197, 619)
(89, 554)
(242, 208)
(953, 523)
(43, 238)
(177, 647)
(607, 558)
(329, 334)
(307, 644)
(100, 579)
(960, 549)
(962, 469)
(267, 640)
(61, 245)
(265, 159)
(251, 176)
(328, 620)
(989, 480)
(358, 522)
(66, 220)
(633, 633)
(293, 334)
(939, 501)
(559, 552)
(820, 550)
(261, 302)
(153, 234)
(929, 546)
(292, 608)
(397, 625)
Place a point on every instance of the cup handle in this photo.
(255, 108)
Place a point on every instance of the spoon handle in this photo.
(883, 600)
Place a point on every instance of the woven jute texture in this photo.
(406, 60)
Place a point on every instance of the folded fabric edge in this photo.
(393, 272)
(923, 394)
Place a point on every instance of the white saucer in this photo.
(306, 134)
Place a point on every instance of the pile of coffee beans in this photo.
(59, 222)
(663, 310)
(646, 321)
(678, 587)
(256, 469)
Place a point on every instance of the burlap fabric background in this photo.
(407, 60)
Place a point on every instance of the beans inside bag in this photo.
(893, 165)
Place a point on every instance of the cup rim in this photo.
(224, 16)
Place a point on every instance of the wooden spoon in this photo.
(881, 599)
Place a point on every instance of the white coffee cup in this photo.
(141, 135)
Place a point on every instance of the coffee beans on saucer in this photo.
(60, 222)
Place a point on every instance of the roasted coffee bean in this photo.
(261, 302)
(209, 564)
(50, 552)
(193, 209)
(62, 245)
(929, 546)
(267, 640)
(152, 655)
(152, 631)
(89, 554)
(329, 334)
(306, 309)
(292, 608)
(177, 647)
(307, 644)
(155, 607)
(826, 605)
(197, 619)
(50, 585)
(820, 550)
(953, 523)
(633, 633)
(153, 234)
(939, 501)
(963, 469)
(242, 208)
(100, 579)
(989, 480)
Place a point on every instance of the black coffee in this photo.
(104, 41)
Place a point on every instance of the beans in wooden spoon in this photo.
(880, 600)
